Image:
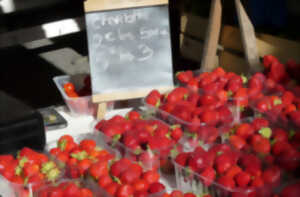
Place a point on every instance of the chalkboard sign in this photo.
(129, 50)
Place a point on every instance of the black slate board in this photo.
(129, 49)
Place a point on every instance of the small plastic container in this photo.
(150, 159)
(77, 139)
(196, 133)
(188, 180)
(80, 183)
(28, 189)
(81, 105)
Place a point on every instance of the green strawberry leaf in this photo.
(176, 74)
(53, 174)
(116, 179)
(116, 138)
(185, 97)
(175, 126)
(229, 93)
(292, 133)
(18, 170)
(273, 141)
(23, 161)
(244, 78)
(265, 132)
(277, 102)
(62, 145)
(157, 104)
(80, 155)
(46, 167)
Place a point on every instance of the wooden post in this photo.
(212, 36)
(248, 38)
(101, 110)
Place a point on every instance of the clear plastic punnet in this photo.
(72, 170)
(152, 154)
(207, 127)
(28, 172)
(207, 171)
(68, 187)
(78, 106)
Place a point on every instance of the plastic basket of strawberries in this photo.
(68, 187)
(76, 92)
(76, 154)
(223, 171)
(123, 177)
(139, 138)
(276, 145)
(203, 117)
(29, 171)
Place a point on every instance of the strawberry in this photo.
(182, 158)
(259, 123)
(99, 169)
(87, 145)
(104, 180)
(140, 185)
(243, 179)
(30, 169)
(112, 188)
(253, 170)
(245, 130)
(226, 182)
(237, 141)
(176, 132)
(233, 171)
(151, 176)
(272, 175)
(156, 187)
(257, 182)
(268, 60)
(66, 143)
(177, 95)
(208, 175)
(185, 76)
(133, 115)
(84, 192)
(291, 190)
(124, 191)
(223, 163)
(279, 135)
(71, 189)
(129, 176)
(262, 146)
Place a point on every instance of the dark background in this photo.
(28, 77)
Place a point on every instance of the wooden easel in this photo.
(103, 5)
(213, 33)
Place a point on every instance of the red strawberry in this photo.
(268, 60)
(208, 175)
(140, 185)
(295, 116)
(272, 175)
(104, 180)
(262, 146)
(156, 187)
(185, 77)
(257, 182)
(112, 188)
(176, 132)
(153, 98)
(177, 95)
(291, 190)
(84, 192)
(233, 171)
(99, 169)
(131, 175)
(245, 130)
(182, 158)
(66, 143)
(120, 166)
(133, 115)
(111, 129)
(279, 135)
(223, 163)
(210, 117)
(254, 170)
(237, 141)
(226, 182)
(259, 123)
(87, 145)
(30, 169)
(124, 191)
(176, 193)
(243, 179)
(151, 176)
